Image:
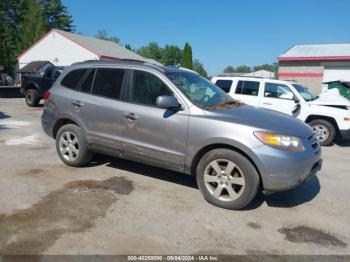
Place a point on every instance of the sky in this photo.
(221, 32)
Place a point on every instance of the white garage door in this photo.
(336, 73)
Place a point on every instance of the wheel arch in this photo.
(198, 156)
(326, 118)
(31, 85)
(61, 122)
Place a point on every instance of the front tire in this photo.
(72, 147)
(324, 130)
(227, 179)
(32, 98)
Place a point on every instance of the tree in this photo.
(186, 60)
(229, 69)
(171, 55)
(267, 67)
(9, 19)
(243, 69)
(128, 46)
(152, 50)
(56, 15)
(199, 68)
(103, 35)
(32, 26)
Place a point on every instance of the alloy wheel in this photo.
(69, 146)
(224, 180)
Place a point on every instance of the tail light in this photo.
(47, 95)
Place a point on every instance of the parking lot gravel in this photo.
(115, 206)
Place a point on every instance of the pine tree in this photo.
(56, 15)
(186, 60)
(10, 17)
(31, 27)
(128, 46)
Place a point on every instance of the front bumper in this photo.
(282, 170)
(345, 133)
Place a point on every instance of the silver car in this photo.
(175, 119)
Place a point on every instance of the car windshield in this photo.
(201, 91)
(304, 92)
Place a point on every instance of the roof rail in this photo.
(189, 70)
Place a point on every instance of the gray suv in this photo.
(175, 119)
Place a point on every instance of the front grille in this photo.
(314, 143)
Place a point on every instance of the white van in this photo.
(329, 115)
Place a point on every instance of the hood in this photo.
(263, 119)
(331, 98)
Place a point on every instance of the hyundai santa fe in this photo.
(175, 119)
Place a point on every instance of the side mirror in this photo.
(168, 102)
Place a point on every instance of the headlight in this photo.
(290, 143)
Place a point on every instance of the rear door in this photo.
(99, 108)
(152, 134)
(248, 92)
(278, 97)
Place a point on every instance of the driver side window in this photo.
(146, 88)
(273, 90)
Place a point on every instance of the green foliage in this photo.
(23, 22)
(32, 26)
(9, 19)
(128, 46)
(199, 68)
(186, 60)
(103, 35)
(171, 55)
(152, 50)
(243, 69)
(56, 15)
(267, 67)
(246, 69)
(229, 69)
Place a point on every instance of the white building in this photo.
(63, 49)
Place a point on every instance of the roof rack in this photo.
(155, 66)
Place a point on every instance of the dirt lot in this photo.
(116, 206)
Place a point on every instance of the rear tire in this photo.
(72, 146)
(325, 131)
(32, 98)
(235, 182)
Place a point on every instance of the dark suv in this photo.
(175, 119)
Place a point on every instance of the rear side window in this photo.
(250, 88)
(108, 82)
(72, 79)
(87, 84)
(224, 85)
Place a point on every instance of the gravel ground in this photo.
(115, 206)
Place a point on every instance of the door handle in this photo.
(77, 103)
(131, 116)
(267, 103)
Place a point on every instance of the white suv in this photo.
(328, 117)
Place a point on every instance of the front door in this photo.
(278, 97)
(152, 134)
